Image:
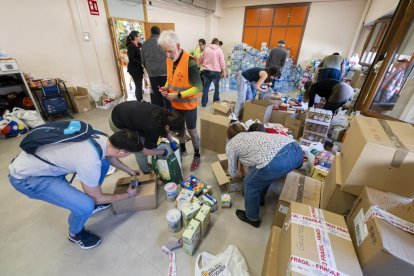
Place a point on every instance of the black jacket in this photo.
(134, 57)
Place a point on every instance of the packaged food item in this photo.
(225, 201)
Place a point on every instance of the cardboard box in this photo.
(295, 122)
(80, 99)
(315, 242)
(146, 199)
(298, 188)
(191, 236)
(333, 199)
(213, 135)
(257, 109)
(379, 154)
(279, 116)
(223, 108)
(220, 170)
(270, 260)
(203, 216)
(383, 248)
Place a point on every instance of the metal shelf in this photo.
(316, 133)
(318, 122)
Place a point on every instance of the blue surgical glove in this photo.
(165, 153)
(174, 146)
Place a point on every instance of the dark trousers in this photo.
(156, 97)
(138, 85)
(329, 73)
(210, 76)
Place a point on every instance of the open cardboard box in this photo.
(258, 109)
(80, 99)
(270, 259)
(147, 194)
(220, 170)
(213, 134)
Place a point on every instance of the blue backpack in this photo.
(60, 132)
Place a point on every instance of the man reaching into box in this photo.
(42, 176)
(182, 87)
(269, 156)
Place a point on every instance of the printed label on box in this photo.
(361, 230)
(283, 209)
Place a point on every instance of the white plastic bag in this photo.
(30, 117)
(98, 90)
(228, 263)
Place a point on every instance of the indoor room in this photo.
(207, 137)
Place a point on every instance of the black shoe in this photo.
(85, 239)
(262, 203)
(101, 207)
(242, 216)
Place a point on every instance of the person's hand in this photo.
(174, 145)
(133, 172)
(172, 96)
(223, 75)
(132, 192)
(163, 90)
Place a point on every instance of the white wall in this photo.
(46, 39)
(380, 8)
(189, 25)
(330, 28)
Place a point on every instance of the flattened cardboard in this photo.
(371, 157)
(301, 241)
(382, 248)
(333, 199)
(213, 134)
(297, 188)
(146, 199)
(257, 109)
(270, 260)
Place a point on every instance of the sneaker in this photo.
(195, 164)
(242, 216)
(101, 207)
(85, 239)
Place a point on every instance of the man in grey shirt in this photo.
(277, 56)
(154, 61)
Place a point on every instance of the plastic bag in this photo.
(169, 168)
(228, 263)
(98, 90)
(30, 117)
(340, 119)
(10, 126)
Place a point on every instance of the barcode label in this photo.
(283, 209)
(361, 230)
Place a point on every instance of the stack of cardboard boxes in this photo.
(371, 183)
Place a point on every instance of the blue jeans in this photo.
(246, 91)
(57, 190)
(208, 77)
(257, 182)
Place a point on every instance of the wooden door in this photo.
(273, 23)
(117, 56)
(293, 41)
(162, 26)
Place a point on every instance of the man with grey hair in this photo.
(182, 87)
(153, 60)
(277, 56)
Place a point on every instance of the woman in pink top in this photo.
(213, 65)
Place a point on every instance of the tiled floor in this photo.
(33, 233)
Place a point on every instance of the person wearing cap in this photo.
(277, 56)
(150, 122)
(44, 178)
(135, 68)
(331, 67)
(153, 60)
(182, 88)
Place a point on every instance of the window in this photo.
(374, 41)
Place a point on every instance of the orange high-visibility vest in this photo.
(179, 81)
